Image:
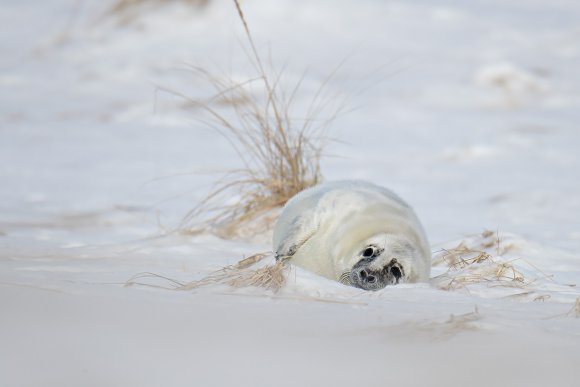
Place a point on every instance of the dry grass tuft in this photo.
(240, 275)
(478, 262)
(280, 154)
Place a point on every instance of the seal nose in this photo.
(366, 276)
(396, 273)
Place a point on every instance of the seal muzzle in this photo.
(364, 277)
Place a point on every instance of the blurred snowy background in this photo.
(469, 110)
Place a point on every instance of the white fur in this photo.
(324, 228)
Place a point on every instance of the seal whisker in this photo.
(345, 278)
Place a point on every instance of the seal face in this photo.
(364, 276)
(354, 232)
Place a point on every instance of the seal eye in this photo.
(368, 252)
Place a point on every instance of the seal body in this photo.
(354, 232)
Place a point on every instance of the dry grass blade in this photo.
(173, 284)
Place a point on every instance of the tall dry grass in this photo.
(280, 154)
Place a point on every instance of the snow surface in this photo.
(468, 110)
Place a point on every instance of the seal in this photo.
(354, 232)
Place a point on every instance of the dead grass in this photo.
(279, 153)
(476, 262)
(240, 275)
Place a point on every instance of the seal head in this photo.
(379, 265)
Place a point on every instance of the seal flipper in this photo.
(303, 227)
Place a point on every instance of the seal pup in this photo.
(354, 232)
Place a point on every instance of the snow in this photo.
(469, 111)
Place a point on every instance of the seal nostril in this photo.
(396, 272)
(363, 274)
(371, 279)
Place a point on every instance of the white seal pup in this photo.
(354, 232)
